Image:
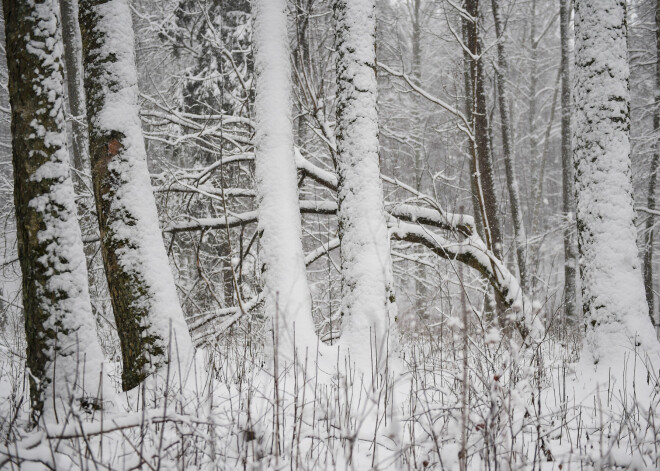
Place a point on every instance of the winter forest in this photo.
(329, 234)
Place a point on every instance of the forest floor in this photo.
(525, 407)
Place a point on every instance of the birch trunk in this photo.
(63, 352)
(615, 309)
(147, 311)
(287, 297)
(368, 303)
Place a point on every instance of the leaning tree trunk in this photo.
(74, 76)
(568, 198)
(501, 75)
(615, 309)
(287, 298)
(142, 290)
(368, 303)
(63, 353)
(655, 163)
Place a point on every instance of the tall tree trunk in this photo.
(421, 291)
(63, 352)
(74, 76)
(477, 206)
(287, 296)
(568, 191)
(368, 303)
(612, 286)
(142, 290)
(655, 163)
(501, 75)
(531, 101)
(484, 162)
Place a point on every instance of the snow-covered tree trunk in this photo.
(74, 79)
(144, 299)
(502, 75)
(368, 302)
(286, 292)
(568, 189)
(615, 309)
(655, 165)
(63, 352)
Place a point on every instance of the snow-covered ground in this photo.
(536, 408)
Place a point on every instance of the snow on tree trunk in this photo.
(616, 313)
(286, 292)
(502, 75)
(63, 352)
(568, 191)
(368, 304)
(74, 76)
(144, 299)
(655, 164)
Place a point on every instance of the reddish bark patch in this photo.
(114, 146)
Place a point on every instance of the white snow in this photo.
(144, 255)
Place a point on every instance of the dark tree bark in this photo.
(655, 164)
(485, 184)
(568, 192)
(142, 290)
(62, 347)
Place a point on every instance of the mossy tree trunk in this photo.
(615, 309)
(63, 352)
(142, 290)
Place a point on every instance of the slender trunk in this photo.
(501, 75)
(568, 190)
(531, 102)
(484, 162)
(655, 163)
(537, 190)
(63, 353)
(612, 285)
(142, 290)
(368, 303)
(74, 76)
(482, 165)
(287, 296)
(421, 291)
(477, 206)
